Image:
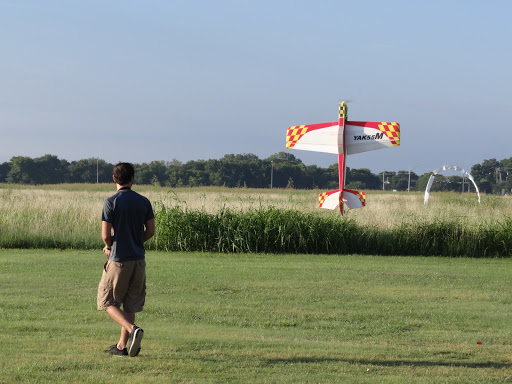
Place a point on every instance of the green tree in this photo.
(485, 174)
(314, 176)
(213, 169)
(4, 171)
(400, 181)
(51, 170)
(362, 178)
(332, 177)
(285, 157)
(90, 170)
(237, 171)
(23, 171)
(506, 167)
(173, 173)
(422, 181)
(154, 173)
(194, 173)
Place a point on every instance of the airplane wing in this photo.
(360, 136)
(314, 137)
(364, 136)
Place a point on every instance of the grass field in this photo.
(254, 318)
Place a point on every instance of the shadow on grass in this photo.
(387, 363)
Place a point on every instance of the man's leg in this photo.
(125, 320)
(123, 339)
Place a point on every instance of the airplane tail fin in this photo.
(352, 199)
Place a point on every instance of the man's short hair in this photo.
(123, 173)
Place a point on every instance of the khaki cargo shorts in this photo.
(123, 283)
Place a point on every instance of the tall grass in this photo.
(35, 218)
(268, 221)
(267, 230)
(272, 230)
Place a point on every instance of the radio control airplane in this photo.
(343, 138)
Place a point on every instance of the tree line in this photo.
(281, 170)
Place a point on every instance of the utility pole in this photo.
(409, 184)
(97, 171)
(382, 180)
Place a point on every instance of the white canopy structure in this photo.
(445, 168)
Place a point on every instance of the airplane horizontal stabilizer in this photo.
(329, 200)
(354, 199)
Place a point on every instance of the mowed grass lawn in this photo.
(250, 318)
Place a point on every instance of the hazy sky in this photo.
(155, 80)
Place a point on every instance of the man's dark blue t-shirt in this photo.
(127, 211)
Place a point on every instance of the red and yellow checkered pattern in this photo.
(322, 198)
(294, 133)
(343, 111)
(392, 131)
(362, 198)
(360, 195)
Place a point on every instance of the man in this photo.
(127, 222)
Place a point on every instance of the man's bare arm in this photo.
(150, 229)
(106, 233)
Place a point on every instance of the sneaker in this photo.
(135, 339)
(116, 351)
